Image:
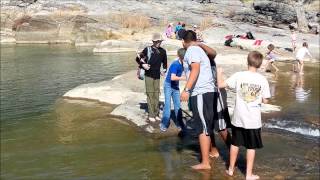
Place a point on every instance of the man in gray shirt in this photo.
(200, 86)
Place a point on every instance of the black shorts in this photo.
(204, 108)
(249, 138)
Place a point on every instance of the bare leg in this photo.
(250, 160)
(301, 67)
(294, 67)
(233, 158)
(275, 67)
(205, 147)
(267, 67)
(214, 153)
(225, 135)
(298, 65)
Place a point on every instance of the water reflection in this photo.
(301, 94)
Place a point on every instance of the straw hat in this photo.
(157, 37)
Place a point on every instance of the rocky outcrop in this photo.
(127, 93)
(88, 22)
(109, 46)
(277, 13)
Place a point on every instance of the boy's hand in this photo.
(146, 66)
(183, 78)
(184, 96)
(163, 72)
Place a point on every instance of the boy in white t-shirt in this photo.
(252, 89)
(300, 56)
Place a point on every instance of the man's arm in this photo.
(309, 54)
(210, 52)
(195, 69)
(165, 61)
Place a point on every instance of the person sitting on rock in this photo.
(177, 28)
(169, 31)
(199, 34)
(182, 31)
(158, 57)
(171, 89)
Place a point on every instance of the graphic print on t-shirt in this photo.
(250, 92)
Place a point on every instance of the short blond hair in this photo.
(181, 52)
(255, 59)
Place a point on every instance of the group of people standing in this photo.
(203, 90)
(178, 31)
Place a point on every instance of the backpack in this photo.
(141, 72)
(249, 35)
(228, 42)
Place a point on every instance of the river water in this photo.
(46, 137)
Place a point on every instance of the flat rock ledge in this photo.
(128, 94)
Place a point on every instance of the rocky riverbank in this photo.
(127, 93)
(128, 24)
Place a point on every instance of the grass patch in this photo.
(132, 21)
(205, 23)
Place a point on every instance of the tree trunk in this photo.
(301, 17)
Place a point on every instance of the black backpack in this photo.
(249, 35)
(228, 42)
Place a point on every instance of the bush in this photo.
(132, 21)
(206, 23)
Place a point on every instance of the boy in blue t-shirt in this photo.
(171, 89)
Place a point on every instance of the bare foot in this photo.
(252, 177)
(229, 172)
(201, 167)
(214, 154)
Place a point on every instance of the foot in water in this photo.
(151, 119)
(252, 177)
(214, 154)
(201, 167)
(229, 172)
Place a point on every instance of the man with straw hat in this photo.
(156, 56)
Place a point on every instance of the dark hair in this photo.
(255, 59)
(271, 47)
(305, 44)
(183, 25)
(189, 36)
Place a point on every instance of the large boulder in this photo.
(276, 11)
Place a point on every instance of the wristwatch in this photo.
(186, 90)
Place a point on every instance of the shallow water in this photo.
(46, 137)
(298, 95)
